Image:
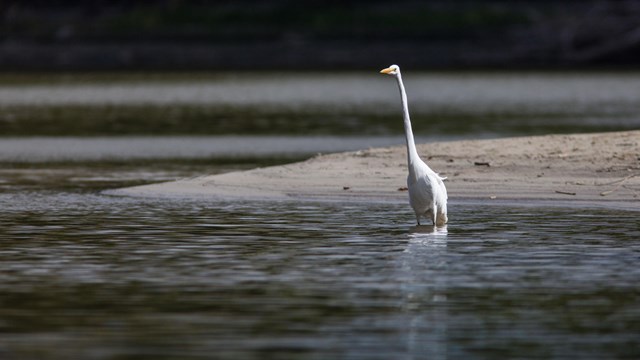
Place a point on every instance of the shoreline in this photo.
(601, 169)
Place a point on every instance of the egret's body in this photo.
(427, 193)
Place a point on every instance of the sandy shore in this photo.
(602, 168)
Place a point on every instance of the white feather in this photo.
(427, 193)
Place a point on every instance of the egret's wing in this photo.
(422, 191)
(441, 191)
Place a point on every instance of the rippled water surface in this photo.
(91, 276)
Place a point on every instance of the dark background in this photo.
(281, 34)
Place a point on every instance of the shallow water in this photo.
(177, 148)
(91, 276)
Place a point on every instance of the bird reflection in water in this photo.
(424, 270)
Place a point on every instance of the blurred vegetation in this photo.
(253, 20)
(195, 35)
(251, 34)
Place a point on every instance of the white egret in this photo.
(427, 194)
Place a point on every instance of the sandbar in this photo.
(597, 168)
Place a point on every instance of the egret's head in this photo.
(391, 70)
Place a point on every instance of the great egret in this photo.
(427, 194)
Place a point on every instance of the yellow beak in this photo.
(386, 71)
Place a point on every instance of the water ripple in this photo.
(85, 274)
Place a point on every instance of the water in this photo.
(176, 148)
(442, 104)
(89, 276)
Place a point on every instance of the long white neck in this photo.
(412, 153)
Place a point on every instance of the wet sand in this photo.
(601, 168)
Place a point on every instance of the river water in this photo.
(89, 276)
(92, 276)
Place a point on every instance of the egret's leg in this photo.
(434, 215)
(442, 219)
(442, 214)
